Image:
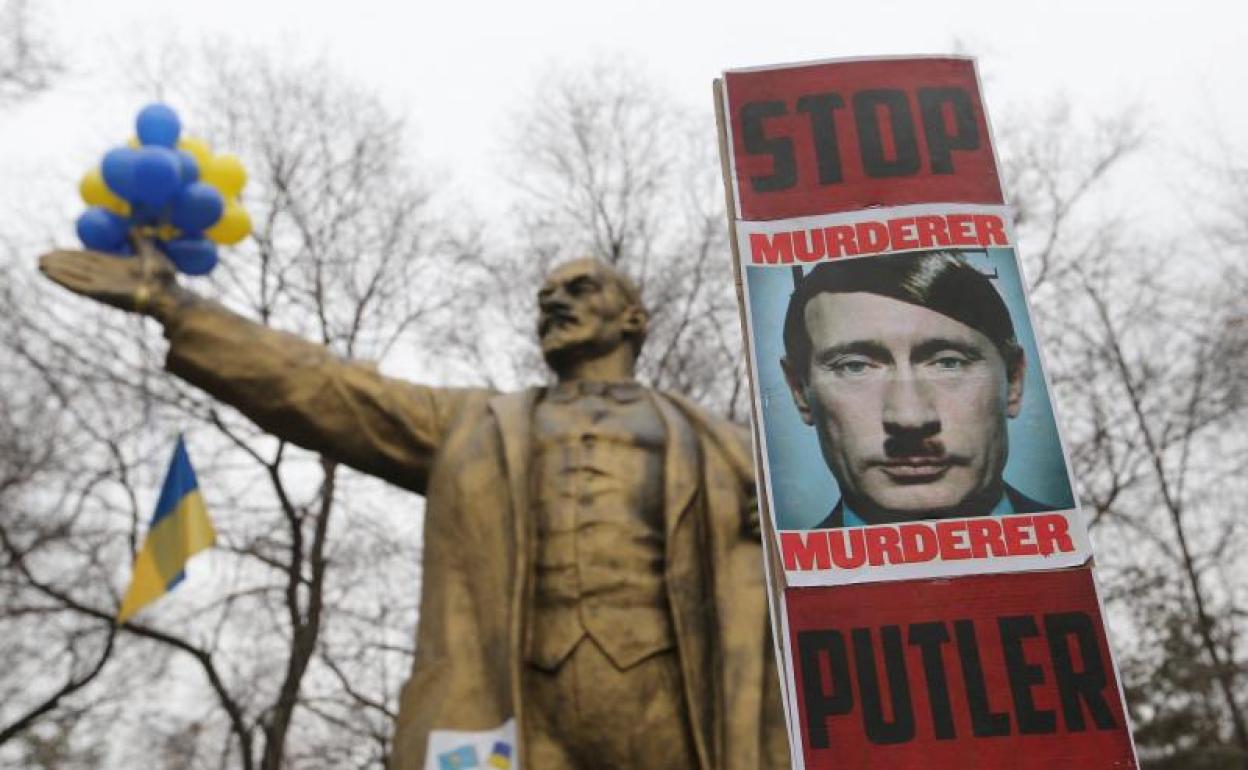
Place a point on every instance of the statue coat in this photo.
(468, 451)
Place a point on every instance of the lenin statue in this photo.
(593, 593)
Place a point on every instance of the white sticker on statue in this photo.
(468, 750)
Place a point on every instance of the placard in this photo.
(997, 671)
(928, 563)
(906, 425)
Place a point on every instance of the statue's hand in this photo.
(140, 284)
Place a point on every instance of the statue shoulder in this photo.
(701, 414)
(732, 437)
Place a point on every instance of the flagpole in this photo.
(141, 301)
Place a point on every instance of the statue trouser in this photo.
(590, 715)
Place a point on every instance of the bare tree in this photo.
(603, 164)
(50, 693)
(348, 251)
(1139, 346)
(1179, 414)
(27, 61)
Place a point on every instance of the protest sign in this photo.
(848, 135)
(989, 671)
(906, 425)
(901, 398)
(927, 559)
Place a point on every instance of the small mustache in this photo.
(918, 447)
(555, 317)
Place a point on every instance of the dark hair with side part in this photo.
(942, 281)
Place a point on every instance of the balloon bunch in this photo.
(166, 187)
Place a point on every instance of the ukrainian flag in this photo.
(180, 528)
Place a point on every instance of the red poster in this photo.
(840, 136)
(993, 671)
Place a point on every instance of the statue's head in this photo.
(588, 309)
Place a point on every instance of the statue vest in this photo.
(599, 550)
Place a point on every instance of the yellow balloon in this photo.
(226, 173)
(234, 225)
(95, 192)
(134, 143)
(167, 232)
(198, 148)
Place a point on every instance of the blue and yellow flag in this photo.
(180, 528)
(500, 757)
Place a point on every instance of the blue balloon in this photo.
(157, 175)
(197, 207)
(147, 214)
(118, 171)
(189, 167)
(158, 125)
(193, 256)
(101, 230)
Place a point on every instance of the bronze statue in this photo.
(592, 576)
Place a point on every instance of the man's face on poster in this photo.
(909, 404)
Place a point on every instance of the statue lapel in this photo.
(681, 472)
(513, 413)
(688, 578)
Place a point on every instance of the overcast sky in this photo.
(457, 68)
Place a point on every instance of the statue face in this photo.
(582, 313)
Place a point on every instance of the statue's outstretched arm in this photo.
(295, 389)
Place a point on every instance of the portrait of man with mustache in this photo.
(908, 368)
